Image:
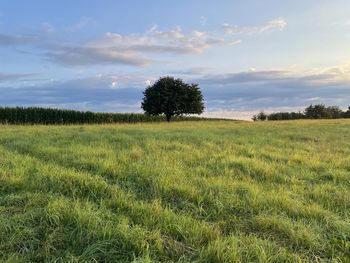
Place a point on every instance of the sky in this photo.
(246, 56)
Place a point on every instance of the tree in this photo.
(261, 116)
(172, 97)
(346, 114)
(318, 111)
(335, 112)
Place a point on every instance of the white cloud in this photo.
(154, 40)
(330, 75)
(313, 99)
(114, 84)
(277, 24)
(135, 49)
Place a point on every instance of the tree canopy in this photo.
(172, 97)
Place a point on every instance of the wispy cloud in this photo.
(14, 40)
(82, 23)
(192, 71)
(85, 56)
(15, 76)
(47, 28)
(276, 24)
(203, 20)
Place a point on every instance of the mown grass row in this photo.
(181, 192)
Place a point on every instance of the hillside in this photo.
(210, 191)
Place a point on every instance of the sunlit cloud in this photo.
(135, 49)
(277, 24)
(276, 90)
(156, 41)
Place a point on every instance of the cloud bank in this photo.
(226, 95)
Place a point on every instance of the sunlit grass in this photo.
(176, 192)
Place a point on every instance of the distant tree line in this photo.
(35, 115)
(318, 111)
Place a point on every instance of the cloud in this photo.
(203, 20)
(134, 49)
(82, 23)
(140, 50)
(192, 71)
(232, 95)
(98, 93)
(273, 90)
(247, 77)
(12, 40)
(47, 28)
(338, 75)
(154, 41)
(85, 56)
(277, 24)
(15, 76)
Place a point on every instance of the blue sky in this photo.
(246, 56)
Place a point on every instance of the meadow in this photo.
(209, 191)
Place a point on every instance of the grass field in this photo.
(178, 192)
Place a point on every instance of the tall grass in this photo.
(34, 115)
(178, 192)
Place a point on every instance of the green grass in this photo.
(179, 192)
